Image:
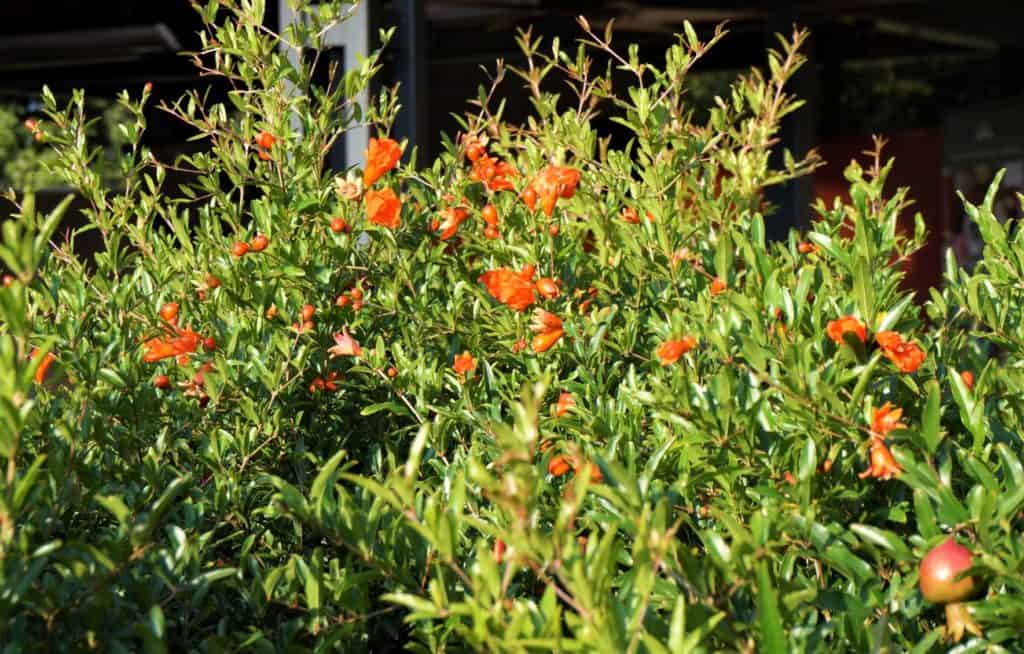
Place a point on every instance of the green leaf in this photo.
(773, 638)
(808, 463)
(930, 417)
(323, 478)
(887, 540)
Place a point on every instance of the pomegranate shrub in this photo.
(540, 394)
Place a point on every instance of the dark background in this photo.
(940, 78)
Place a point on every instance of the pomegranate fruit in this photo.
(939, 569)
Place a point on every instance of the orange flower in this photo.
(558, 466)
(907, 357)
(452, 217)
(885, 419)
(493, 173)
(882, 465)
(718, 286)
(551, 183)
(670, 351)
(381, 156)
(846, 325)
(181, 345)
(384, 208)
(565, 402)
(44, 366)
(509, 287)
(548, 328)
(344, 345)
(464, 363)
(888, 339)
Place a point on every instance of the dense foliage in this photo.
(26, 162)
(541, 394)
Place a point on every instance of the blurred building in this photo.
(940, 78)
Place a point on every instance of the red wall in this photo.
(918, 165)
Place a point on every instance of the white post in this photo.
(353, 34)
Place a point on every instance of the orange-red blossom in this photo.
(906, 356)
(328, 383)
(846, 325)
(493, 173)
(464, 363)
(451, 218)
(670, 351)
(548, 329)
(344, 345)
(514, 289)
(384, 208)
(565, 402)
(885, 419)
(381, 156)
(44, 366)
(180, 343)
(551, 183)
(882, 464)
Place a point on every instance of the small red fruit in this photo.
(490, 215)
(8, 280)
(338, 225)
(968, 378)
(342, 301)
(212, 282)
(210, 343)
(169, 311)
(240, 249)
(265, 140)
(357, 305)
(499, 551)
(307, 311)
(148, 87)
(260, 243)
(356, 293)
(492, 232)
(161, 382)
(548, 288)
(530, 197)
(939, 569)
(553, 229)
(392, 372)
